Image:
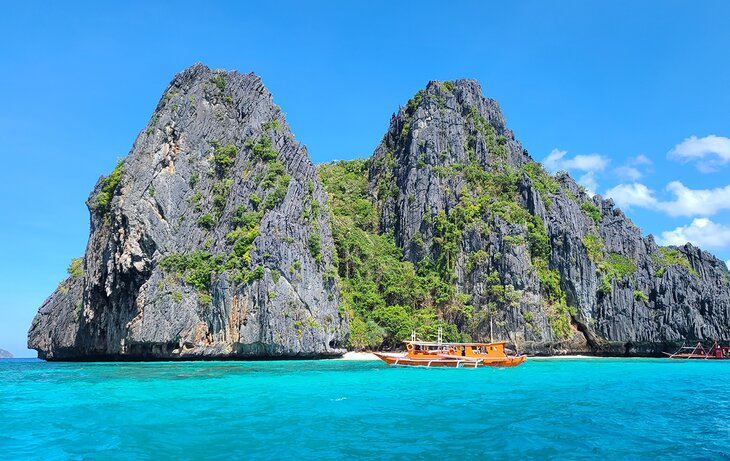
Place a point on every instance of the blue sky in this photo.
(630, 97)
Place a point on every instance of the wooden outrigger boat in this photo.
(699, 352)
(454, 355)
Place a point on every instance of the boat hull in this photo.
(442, 361)
(693, 357)
(698, 352)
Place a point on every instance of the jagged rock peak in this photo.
(188, 79)
(460, 98)
(417, 168)
(210, 240)
(554, 268)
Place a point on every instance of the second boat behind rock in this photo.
(454, 355)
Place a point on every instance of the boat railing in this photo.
(700, 351)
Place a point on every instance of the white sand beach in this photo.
(358, 356)
(556, 357)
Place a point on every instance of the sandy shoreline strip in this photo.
(553, 357)
(358, 356)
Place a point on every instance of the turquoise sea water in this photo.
(561, 409)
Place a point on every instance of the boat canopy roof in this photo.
(433, 343)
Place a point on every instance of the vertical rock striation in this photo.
(531, 256)
(210, 240)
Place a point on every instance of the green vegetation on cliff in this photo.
(388, 296)
(200, 267)
(224, 157)
(385, 297)
(76, 268)
(108, 189)
(671, 257)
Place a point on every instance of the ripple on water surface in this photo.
(565, 409)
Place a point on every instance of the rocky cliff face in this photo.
(531, 256)
(208, 241)
(212, 239)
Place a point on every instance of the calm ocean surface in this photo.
(561, 409)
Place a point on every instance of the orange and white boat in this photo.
(699, 351)
(454, 355)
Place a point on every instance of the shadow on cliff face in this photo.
(209, 240)
(213, 240)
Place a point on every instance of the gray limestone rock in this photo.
(212, 240)
(216, 186)
(627, 297)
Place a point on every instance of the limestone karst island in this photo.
(216, 237)
(327, 231)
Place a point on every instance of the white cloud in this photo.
(632, 169)
(640, 160)
(695, 202)
(589, 165)
(686, 202)
(556, 161)
(588, 181)
(629, 195)
(708, 153)
(628, 172)
(701, 232)
(727, 263)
